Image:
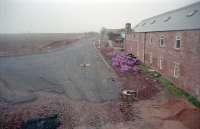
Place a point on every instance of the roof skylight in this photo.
(167, 19)
(143, 24)
(152, 22)
(137, 25)
(192, 13)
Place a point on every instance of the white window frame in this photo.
(161, 62)
(150, 58)
(177, 38)
(176, 66)
(162, 38)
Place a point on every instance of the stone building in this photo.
(170, 43)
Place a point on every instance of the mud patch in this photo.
(144, 86)
(184, 112)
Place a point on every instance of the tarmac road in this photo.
(58, 72)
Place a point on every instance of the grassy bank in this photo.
(172, 88)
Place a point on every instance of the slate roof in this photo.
(185, 18)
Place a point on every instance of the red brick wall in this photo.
(134, 43)
(188, 56)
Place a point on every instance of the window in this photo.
(167, 19)
(150, 58)
(178, 42)
(162, 43)
(192, 13)
(152, 22)
(161, 62)
(176, 71)
(143, 24)
(137, 26)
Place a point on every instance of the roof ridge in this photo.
(168, 12)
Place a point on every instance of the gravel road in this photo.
(60, 72)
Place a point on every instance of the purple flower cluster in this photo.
(125, 62)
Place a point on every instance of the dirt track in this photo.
(94, 102)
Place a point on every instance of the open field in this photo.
(24, 44)
(32, 40)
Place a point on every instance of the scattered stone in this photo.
(84, 65)
(128, 95)
(154, 80)
(156, 75)
(87, 65)
(151, 70)
(112, 79)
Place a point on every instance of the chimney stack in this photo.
(128, 28)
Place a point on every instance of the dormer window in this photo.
(143, 24)
(167, 19)
(137, 26)
(152, 22)
(192, 13)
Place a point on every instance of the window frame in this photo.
(162, 38)
(175, 45)
(161, 62)
(176, 66)
(151, 58)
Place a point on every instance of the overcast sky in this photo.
(64, 16)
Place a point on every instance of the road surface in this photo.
(58, 72)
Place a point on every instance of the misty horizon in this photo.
(20, 16)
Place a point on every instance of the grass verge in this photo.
(172, 88)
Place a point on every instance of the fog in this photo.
(67, 16)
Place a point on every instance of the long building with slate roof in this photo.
(170, 44)
(186, 18)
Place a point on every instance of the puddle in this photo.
(51, 122)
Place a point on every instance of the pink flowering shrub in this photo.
(125, 62)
